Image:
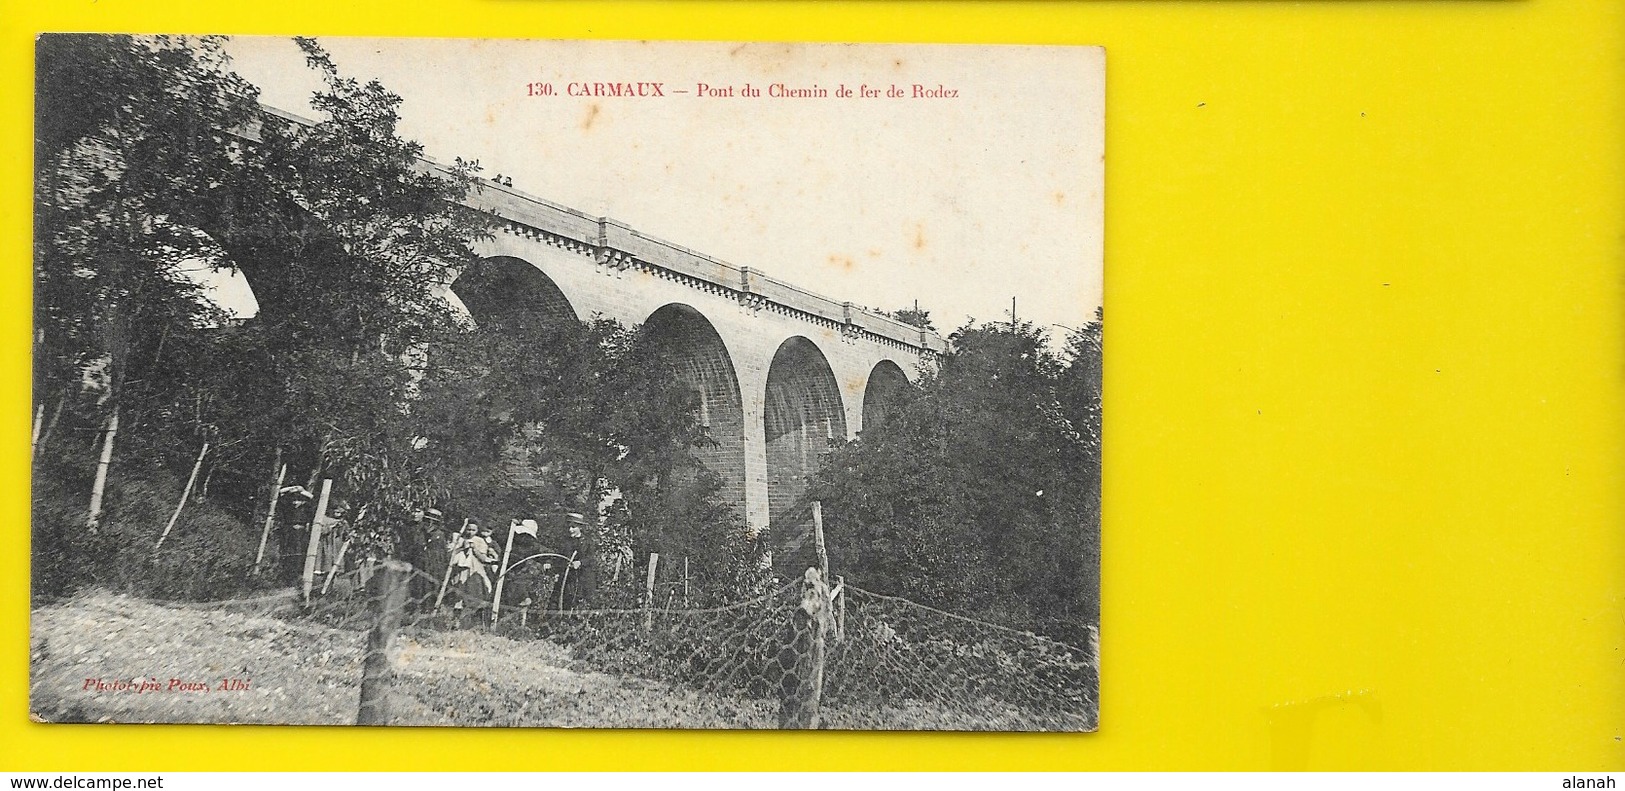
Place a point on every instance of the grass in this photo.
(309, 674)
(292, 670)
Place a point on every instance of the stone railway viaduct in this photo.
(781, 372)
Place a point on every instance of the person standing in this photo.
(469, 577)
(482, 548)
(582, 575)
(416, 541)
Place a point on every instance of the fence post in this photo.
(451, 560)
(185, 495)
(564, 579)
(502, 574)
(649, 594)
(377, 669)
(338, 563)
(803, 686)
(818, 539)
(307, 579)
(270, 510)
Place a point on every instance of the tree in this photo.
(564, 416)
(128, 130)
(154, 158)
(348, 239)
(913, 317)
(1079, 390)
(970, 496)
(355, 367)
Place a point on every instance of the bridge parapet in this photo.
(614, 243)
(620, 245)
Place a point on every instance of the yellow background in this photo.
(1366, 417)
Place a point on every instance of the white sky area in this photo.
(959, 203)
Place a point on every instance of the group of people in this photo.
(476, 565)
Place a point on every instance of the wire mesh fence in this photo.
(797, 656)
(894, 663)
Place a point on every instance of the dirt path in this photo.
(105, 658)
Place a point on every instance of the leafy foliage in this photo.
(540, 417)
(980, 492)
(208, 556)
(131, 131)
(914, 317)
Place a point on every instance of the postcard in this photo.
(567, 383)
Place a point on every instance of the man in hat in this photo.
(296, 504)
(581, 577)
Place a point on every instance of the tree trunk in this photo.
(99, 487)
(39, 422)
(50, 426)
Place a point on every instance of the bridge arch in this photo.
(683, 336)
(802, 416)
(510, 290)
(882, 393)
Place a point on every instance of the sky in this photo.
(960, 201)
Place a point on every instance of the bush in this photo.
(208, 554)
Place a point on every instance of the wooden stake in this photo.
(378, 667)
(99, 486)
(270, 510)
(450, 561)
(308, 578)
(802, 688)
(815, 661)
(818, 538)
(338, 562)
(186, 494)
(564, 579)
(649, 594)
(502, 575)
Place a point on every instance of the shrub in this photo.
(208, 554)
